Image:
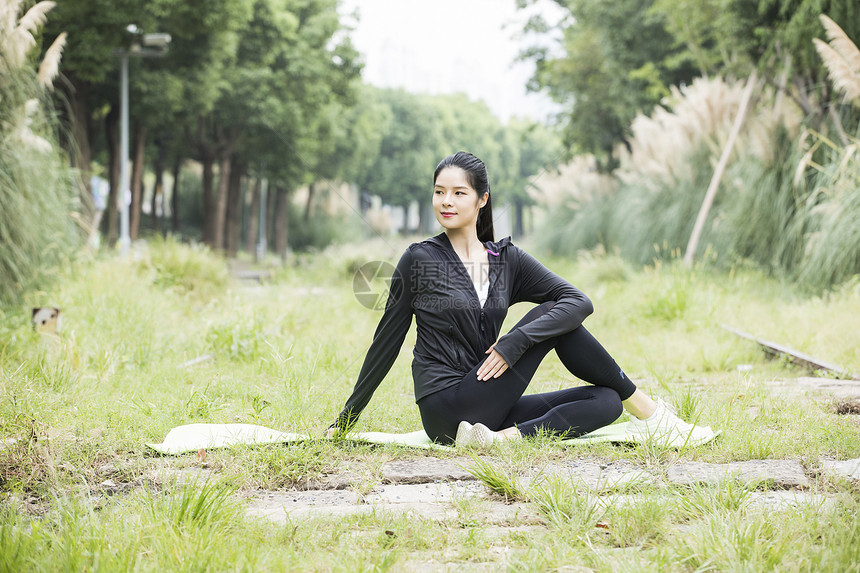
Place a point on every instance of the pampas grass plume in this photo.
(842, 59)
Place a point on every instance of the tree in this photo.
(411, 140)
(535, 150)
(774, 36)
(202, 32)
(614, 64)
(286, 69)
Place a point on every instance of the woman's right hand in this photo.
(493, 367)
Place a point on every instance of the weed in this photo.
(641, 521)
(193, 505)
(469, 509)
(574, 510)
(727, 541)
(185, 269)
(240, 339)
(258, 404)
(201, 405)
(730, 495)
(655, 452)
(277, 466)
(687, 404)
(499, 481)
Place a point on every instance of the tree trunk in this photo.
(253, 217)
(158, 187)
(518, 218)
(281, 222)
(112, 136)
(271, 196)
(699, 225)
(82, 135)
(174, 196)
(311, 189)
(422, 217)
(220, 208)
(405, 230)
(206, 161)
(155, 200)
(137, 165)
(233, 222)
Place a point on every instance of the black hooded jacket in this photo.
(453, 329)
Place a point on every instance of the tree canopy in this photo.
(617, 58)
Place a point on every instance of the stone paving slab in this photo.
(826, 387)
(439, 500)
(422, 493)
(181, 476)
(280, 506)
(781, 473)
(787, 499)
(847, 469)
(596, 476)
(768, 500)
(431, 501)
(425, 470)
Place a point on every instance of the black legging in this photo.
(499, 402)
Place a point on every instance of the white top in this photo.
(483, 291)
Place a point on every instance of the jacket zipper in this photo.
(454, 344)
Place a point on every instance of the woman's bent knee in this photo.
(609, 403)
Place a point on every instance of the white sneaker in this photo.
(477, 435)
(464, 433)
(666, 427)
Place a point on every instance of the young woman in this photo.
(469, 383)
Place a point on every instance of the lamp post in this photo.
(144, 46)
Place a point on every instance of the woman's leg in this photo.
(570, 412)
(585, 358)
(488, 401)
(499, 403)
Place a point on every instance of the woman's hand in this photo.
(493, 367)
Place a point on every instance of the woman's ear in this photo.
(483, 200)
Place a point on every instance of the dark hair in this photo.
(476, 174)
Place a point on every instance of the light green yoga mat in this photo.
(193, 437)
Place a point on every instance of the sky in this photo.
(446, 46)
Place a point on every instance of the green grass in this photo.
(285, 355)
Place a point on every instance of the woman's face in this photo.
(455, 202)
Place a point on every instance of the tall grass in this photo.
(37, 190)
(832, 209)
(788, 203)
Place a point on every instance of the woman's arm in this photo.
(386, 344)
(533, 282)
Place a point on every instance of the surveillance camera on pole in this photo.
(159, 41)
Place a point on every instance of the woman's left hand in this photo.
(493, 367)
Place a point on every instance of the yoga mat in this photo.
(193, 437)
